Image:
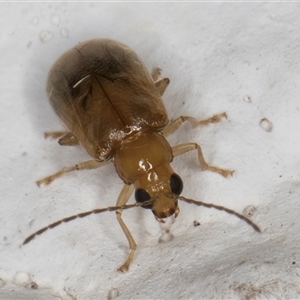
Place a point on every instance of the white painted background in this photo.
(242, 58)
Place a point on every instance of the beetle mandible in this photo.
(110, 105)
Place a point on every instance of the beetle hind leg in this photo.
(160, 84)
(155, 73)
(54, 134)
(68, 140)
(64, 138)
(186, 147)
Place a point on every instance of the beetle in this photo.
(111, 105)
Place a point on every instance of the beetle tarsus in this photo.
(214, 119)
(224, 172)
(47, 180)
(124, 268)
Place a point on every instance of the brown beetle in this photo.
(110, 104)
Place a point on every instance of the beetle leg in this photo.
(122, 200)
(186, 147)
(161, 85)
(54, 134)
(89, 164)
(175, 124)
(66, 138)
(155, 73)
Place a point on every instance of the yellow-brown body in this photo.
(110, 104)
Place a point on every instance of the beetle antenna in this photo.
(85, 214)
(218, 207)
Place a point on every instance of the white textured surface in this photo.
(238, 58)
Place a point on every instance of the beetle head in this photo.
(164, 194)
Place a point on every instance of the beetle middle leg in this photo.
(122, 200)
(186, 147)
(86, 165)
(176, 123)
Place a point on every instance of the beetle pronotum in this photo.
(110, 104)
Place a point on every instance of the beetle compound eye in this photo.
(176, 184)
(141, 196)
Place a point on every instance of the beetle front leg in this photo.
(186, 147)
(122, 200)
(175, 124)
(86, 165)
